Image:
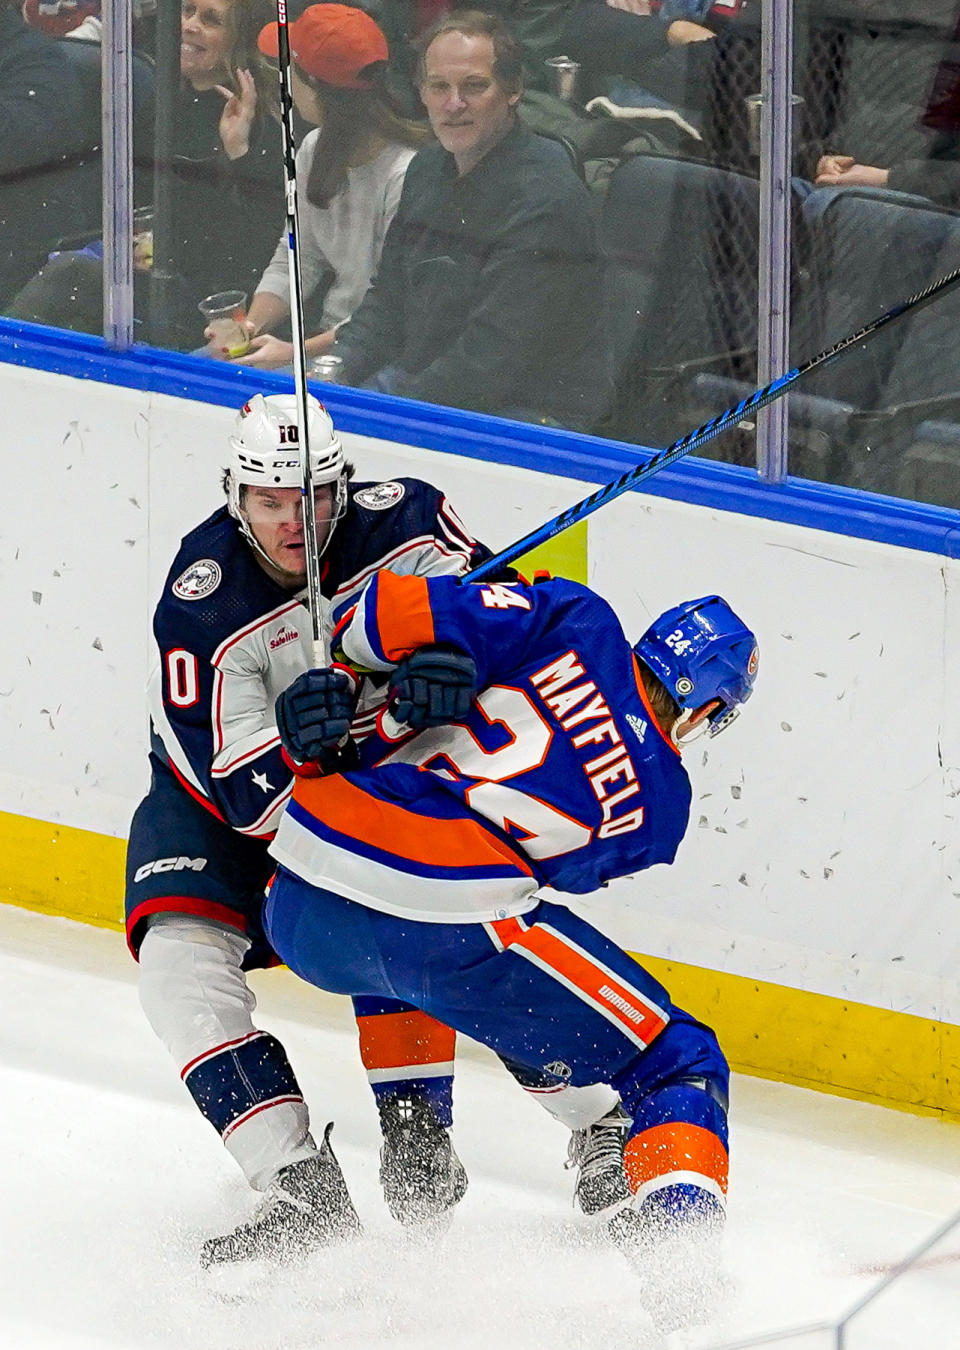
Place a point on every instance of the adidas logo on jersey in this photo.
(638, 726)
(284, 636)
(169, 865)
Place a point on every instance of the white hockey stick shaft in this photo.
(299, 345)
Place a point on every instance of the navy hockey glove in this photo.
(433, 686)
(314, 715)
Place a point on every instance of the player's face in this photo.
(306, 99)
(206, 39)
(468, 110)
(276, 518)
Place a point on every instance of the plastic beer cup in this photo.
(225, 313)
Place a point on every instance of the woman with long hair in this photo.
(351, 167)
(227, 185)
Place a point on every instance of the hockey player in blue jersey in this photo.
(232, 631)
(528, 748)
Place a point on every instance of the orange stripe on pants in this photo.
(675, 1147)
(396, 1040)
(602, 989)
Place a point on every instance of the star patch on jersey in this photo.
(380, 496)
(198, 581)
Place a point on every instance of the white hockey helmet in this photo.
(265, 452)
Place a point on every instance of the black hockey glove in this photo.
(433, 686)
(314, 715)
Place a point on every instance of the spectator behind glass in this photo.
(488, 294)
(227, 184)
(41, 126)
(226, 196)
(938, 175)
(649, 44)
(57, 18)
(350, 171)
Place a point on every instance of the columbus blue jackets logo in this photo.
(380, 496)
(198, 581)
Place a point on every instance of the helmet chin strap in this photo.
(339, 504)
(696, 722)
(680, 728)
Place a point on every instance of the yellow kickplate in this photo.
(814, 1040)
(61, 870)
(768, 1030)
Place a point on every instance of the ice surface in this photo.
(112, 1179)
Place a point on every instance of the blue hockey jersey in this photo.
(559, 775)
(230, 638)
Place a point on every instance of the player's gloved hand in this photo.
(314, 715)
(433, 686)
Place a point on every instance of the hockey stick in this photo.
(715, 427)
(314, 595)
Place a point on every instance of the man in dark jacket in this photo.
(489, 290)
(43, 127)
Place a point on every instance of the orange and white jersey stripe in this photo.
(377, 848)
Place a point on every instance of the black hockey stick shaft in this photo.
(715, 427)
(312, 552)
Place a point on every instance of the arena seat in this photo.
(874, 249)
(852, 421)
(680, 240)
(929, 469)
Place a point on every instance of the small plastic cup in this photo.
(225, 314)
(564, 77)
(326, 368)
(754, 106)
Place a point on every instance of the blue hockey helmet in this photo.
(701, 651)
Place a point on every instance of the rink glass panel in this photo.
(679, 225)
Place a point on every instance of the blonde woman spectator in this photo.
(351, 168)
(224, 177)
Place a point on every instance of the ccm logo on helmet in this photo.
(169, 865)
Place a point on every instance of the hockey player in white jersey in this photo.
(232, 631)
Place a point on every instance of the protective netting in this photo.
(883, 90)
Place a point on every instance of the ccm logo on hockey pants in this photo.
(169, 865)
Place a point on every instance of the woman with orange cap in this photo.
(351, 168)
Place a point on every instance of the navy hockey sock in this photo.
(232, 1082)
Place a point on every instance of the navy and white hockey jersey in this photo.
(230, 639)
(558, 776)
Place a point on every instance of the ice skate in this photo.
(421, 1175)
(679, 1264)
(597, 1154)
(307, 1206)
